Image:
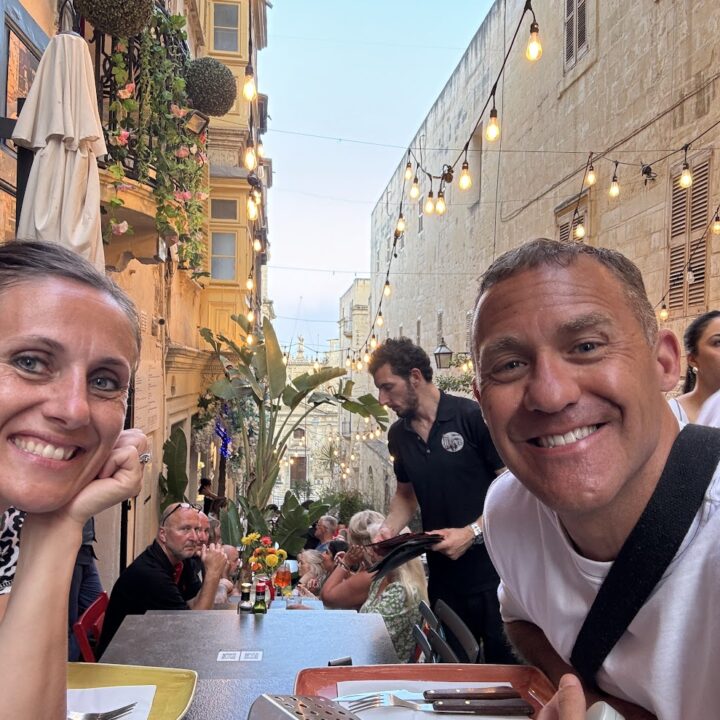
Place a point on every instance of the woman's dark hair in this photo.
(24, 261)
(402, 355)
(205, 482)
(691, 340)
(336, 546)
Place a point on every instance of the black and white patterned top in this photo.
(10, 525)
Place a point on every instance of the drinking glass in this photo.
(283, 577)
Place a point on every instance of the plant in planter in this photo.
(174, 483)
(120, 19)
(211, 86)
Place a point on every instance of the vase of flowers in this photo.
(260, 556)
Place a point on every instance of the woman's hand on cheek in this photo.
(119, 478)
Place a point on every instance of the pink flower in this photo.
(119, 228)
(202, 196)
(181, 195)
(182, 152)
(266, 540)
(202, 138)
(127, 91)
(123, 137)
(177, 111)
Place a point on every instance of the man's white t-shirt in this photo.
(668, 660)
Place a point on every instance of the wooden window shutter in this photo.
(678, 213)
(697, 258)
(676, 295)
(700, 197)
(565, 231)
(569, 32)
(581, 27)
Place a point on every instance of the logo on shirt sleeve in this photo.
(452, 442)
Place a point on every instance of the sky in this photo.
(347, 71)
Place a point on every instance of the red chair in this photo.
(90, 625)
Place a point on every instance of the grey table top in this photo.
(289, 641)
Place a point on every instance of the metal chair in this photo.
(453, 623)
(430, 618)
(422, 647)
(443, 652)
(89, 624)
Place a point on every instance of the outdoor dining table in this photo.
(273, 647)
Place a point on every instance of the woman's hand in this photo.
(119, 479)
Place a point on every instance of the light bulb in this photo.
(250, 284)
(386, 289)
(686, 178)
(716, 225)
(440, 206)
(492, 131)
(250, 339)
(366, 420)
(359, 365)
(285, 359)
(664, 314)
(429, 207)
(256, 195)
(377, 433)
(380, 320)
(400, 227)
(690, 275)
(251, 316)
(408, 171)
(373, 342)
(249, 90)
(580, 231)
(366, 358)
(415, 189)
(614, 190)
(591, 177)
(465, 181)
(348, 361)
(250, 158)
(260, 149)
(290, 461)
(257, 245)
(252, 208)
(352, 456)
(533, 51)
(316, 366)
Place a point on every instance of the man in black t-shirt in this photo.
(444, 461)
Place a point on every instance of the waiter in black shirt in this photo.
(444, 461)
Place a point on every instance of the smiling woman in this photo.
(69, 343)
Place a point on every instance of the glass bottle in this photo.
(245, 605)
(260, 606)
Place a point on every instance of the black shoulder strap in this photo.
(650, 547)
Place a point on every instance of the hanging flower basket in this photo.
(120, 19)
(211, 86)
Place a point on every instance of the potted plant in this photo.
(119, 19)
(210, 85)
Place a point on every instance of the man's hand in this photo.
(214, 560)
(119, 478)
(455, 542)
(384, 533)
(568, 703)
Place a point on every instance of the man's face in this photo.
(570, 388)
(179, 534)
(203, 532)
(396, 392)
(321, 531)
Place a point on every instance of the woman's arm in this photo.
(344, 590)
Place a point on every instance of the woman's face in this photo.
(303, 565)
(327, 561)
(67, 352)
(707, 357)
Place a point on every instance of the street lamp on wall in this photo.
(443, 355)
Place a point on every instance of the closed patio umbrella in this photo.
(60, 122)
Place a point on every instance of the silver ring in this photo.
(145, 458)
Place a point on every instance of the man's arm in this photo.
(214, 561)
(403, 505)
(531, 645)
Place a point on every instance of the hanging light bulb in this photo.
(256, 195)
(260, 149)
(348, 361)
(366, 358)
(591, 177)
(250, 339)
(580, 229)
(465, 181)
(690, 275)
(252, 208)
(257, 245)
(373, 342)
(250, 158)
(429, 207)
(359, 365)
(664, 314)
(380, 320)
(533, 51)
(686, 178)
(249, 89)
(377, 432)
(386, 289)
(440, 206)
(408, 171)
(250, 284)
(716, 225)
(415, 189)
(400, 227)
(285, 358)
(492, 131)
(316, 366)
(614, 190)
(251, 316)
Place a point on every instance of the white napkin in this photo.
(102, 699)
(396, 713)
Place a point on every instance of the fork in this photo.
(115, 714)
(384, 700)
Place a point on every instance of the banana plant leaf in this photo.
(308, 381)
(175, 461)
(276, 371)
(230, 525)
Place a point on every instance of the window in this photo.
(439, 330)
(418, 328)
(576, 43)
(223, 261)
(298, 434)
(226, 27)
(688, 243)
(421, 204)
(223, 209)
(298, 469)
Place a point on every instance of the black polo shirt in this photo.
(146, 584)
(450, 474)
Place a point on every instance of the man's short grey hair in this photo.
(329, 522)
(542, 252)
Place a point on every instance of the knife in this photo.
(498, 692)
(506, 707)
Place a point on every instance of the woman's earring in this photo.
(693, 369)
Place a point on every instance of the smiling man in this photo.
(571, 370)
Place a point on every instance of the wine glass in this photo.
(283, 577)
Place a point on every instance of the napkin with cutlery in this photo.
(102, 699)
